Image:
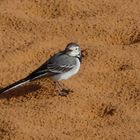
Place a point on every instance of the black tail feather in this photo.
(14, 85)
(33, 76)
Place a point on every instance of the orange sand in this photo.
(105, 104)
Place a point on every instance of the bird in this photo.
(61, 66)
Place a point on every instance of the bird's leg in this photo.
(63, 91)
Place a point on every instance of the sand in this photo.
(105, 103)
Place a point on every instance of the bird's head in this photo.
(73, 49)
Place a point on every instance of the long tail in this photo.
(14, 85)
(33, 76)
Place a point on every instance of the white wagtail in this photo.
(60, 66)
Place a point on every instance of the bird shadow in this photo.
(20, 91)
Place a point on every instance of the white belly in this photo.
(68, 74)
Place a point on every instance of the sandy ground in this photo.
(105, 104)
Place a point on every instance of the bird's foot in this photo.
(65, 92)
(62, 90)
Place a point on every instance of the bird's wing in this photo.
(55, 68)
(49, 69)
(55, 65)
(61, 63)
